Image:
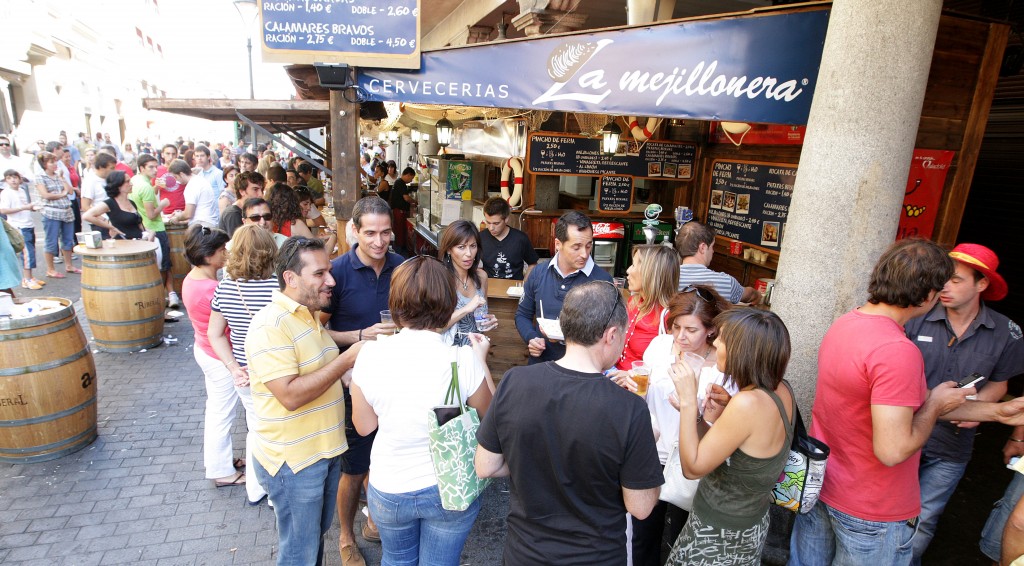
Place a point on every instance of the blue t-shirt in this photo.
(359, 294)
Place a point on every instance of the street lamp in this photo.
(248, 10)
(444, 131)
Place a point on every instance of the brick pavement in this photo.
(138, 493)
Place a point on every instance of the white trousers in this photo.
(222, 399)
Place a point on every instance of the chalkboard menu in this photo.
(566, 154)
(750, 200)
(615, 193)
(379, 33)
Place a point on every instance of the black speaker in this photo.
(333, 76)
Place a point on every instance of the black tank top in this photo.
(125, 221)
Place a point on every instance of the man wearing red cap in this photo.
(961, 336)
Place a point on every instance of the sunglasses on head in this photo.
(702, 293)
(256, 217)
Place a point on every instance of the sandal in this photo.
(72, 269)
(237, 479)
(239, 463)
(55, 275)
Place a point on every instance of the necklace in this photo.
(707, 353)
(465, 282)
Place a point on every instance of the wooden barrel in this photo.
(179, 265)
(47, 387)
(123, 295)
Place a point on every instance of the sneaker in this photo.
(58, 259)
(172, 300)
(30, 284)
(39, 282)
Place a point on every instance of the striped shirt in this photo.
(237, 300)
(726, 285)
(56, 209)
(286, 339)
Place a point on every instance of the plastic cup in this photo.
(620, 282)
(641, 374)
(694, 361)
(480, 315)
(109, 244)
(385, 317)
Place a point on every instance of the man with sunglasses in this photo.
(16, 162)
(257, 211)
(247, 185)
(577, 447)
(362, 284)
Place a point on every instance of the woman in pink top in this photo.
(205, 250)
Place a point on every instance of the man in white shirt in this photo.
(204, 162)
(16, 162)
(200, 198)
(16, 204)
(94, 185)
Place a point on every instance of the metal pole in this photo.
(252, 93)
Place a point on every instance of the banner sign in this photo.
(925, 184)
(551, 153)
(750, 200)
(380, 33)
(761, 68)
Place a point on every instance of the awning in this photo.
(288, 114)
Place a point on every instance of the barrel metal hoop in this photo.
(53, 364)
(39, 332)
(50, 417)
(120, 265)
(153, 318)
(71, 443)
(150, 285)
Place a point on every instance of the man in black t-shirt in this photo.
(579, 450)
(505, 250)
(402, 194)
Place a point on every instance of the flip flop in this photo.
(55, 275)
(239, 463)
(237, 479)
(73, 270)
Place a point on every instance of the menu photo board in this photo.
(367, 33)
(568, 154)
(749, 201)
(615, 193)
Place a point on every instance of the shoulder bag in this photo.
(800, 483)
(677, 490)
(451, 432)
(14, 235)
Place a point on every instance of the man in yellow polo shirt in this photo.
(295, 374)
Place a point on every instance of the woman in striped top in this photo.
(246, 288)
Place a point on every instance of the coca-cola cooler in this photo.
(609, 240)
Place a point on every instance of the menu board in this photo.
(750, 200)
(567, 154)
(378, 33)
(615, 193)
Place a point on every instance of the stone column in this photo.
(853, 167)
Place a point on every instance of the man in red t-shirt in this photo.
(874, 410)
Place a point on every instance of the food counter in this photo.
(507, 348)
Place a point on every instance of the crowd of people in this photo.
(337, 362)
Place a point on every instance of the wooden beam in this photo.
(951, 213)
(344, 123)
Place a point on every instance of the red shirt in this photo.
(125, 168)
(639, 335)
(177, 198)
(866, 360)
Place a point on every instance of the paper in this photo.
(451, 210)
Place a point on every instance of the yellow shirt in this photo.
(285, 339)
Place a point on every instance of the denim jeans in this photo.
(826, 536)
(28, 255)
(415, 529)
(304, 505)
(939, 479)
(992, 535)
(55, 230)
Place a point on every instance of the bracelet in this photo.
(1012, 439)
(360, 334)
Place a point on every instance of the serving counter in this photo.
(507, 348)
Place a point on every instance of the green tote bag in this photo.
(453, 447)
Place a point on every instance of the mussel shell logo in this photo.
(567, 58)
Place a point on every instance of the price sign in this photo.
(750, 200)
(366, 33)
(615, 193)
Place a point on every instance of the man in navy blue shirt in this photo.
(362, 283)
(550, 282)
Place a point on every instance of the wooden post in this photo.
(344, 124)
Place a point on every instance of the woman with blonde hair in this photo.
(652, 281)
(246, 288)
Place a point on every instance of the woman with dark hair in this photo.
(206, 252)
(383, 188)
(246, 288)
(689, 321)
(122, 219)
(286, 212)
(58, 217)
(395, 382)
(460, 251)
(227, 196)
(392, 173)
(740, 458)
